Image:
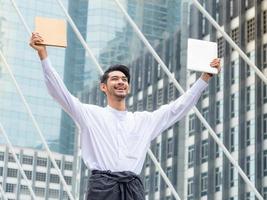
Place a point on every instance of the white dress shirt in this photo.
(117, 140)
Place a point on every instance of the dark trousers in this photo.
(106, 185)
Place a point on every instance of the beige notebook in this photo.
(53, 31)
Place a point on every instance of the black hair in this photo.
(118, 67)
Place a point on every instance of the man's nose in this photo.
(120, 81)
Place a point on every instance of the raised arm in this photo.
(167, 115)
(54, 83)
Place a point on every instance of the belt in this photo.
(123, 179)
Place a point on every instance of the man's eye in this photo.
(124, 79)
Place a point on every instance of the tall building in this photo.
(234, 104)
(26, 67)
(57, 127)
(154, 18)
(39, 171)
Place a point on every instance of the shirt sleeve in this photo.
(167, 115)
(60, 93)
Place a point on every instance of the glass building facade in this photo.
(26, 67)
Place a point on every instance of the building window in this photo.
(264, 124)
(219, 82)
(264, 21)
(52, 193)
(10, 158)
(28, 160)
(58, 162)
(204, 25)
(2, 155)
(231, 3)
(41, 161)
(140, 105)
(68, 165)
(233, 72)
(204, 183)
(232, 175)
(220, 47)
(54, 178)
(10, 188)
(264, 93)
(218, 179)
(12, 172)
(169, 147)
(235, 34)
(139, 82)
(248, 98)
(149, 73)
(171, 91)
(24, 189)
(250, 133)
(39, 191)
(248, 197)
(28, 174)
(160, 97)
(1, 171)
(191, 153)
(40, 176)
(190, 188)
(232, 105)
(65, 195)
(68, 179)
(204, 151)
(218, 151)
(205, 113)
(251, 56)
(169, 172)
(249, 167)
(192, 124)
(157, 151)
(149, 102)
(264, 160)
(148, 161)
(232, 140)
(250, 29)
(158, 71)
(156, 182)
(264, 55)
(219, 112)
(147, 184)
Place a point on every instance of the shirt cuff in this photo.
(199, 85)
(46, 62)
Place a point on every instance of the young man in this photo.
(114, 141)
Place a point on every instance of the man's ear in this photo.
(103, 87)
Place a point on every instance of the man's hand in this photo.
(35, 43)
(215, 63)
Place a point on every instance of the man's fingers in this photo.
(215, 63)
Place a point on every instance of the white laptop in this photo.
(200, 53)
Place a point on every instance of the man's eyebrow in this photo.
(116, 76)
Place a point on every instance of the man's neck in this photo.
(118, 105)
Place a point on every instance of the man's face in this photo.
(117, 85)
